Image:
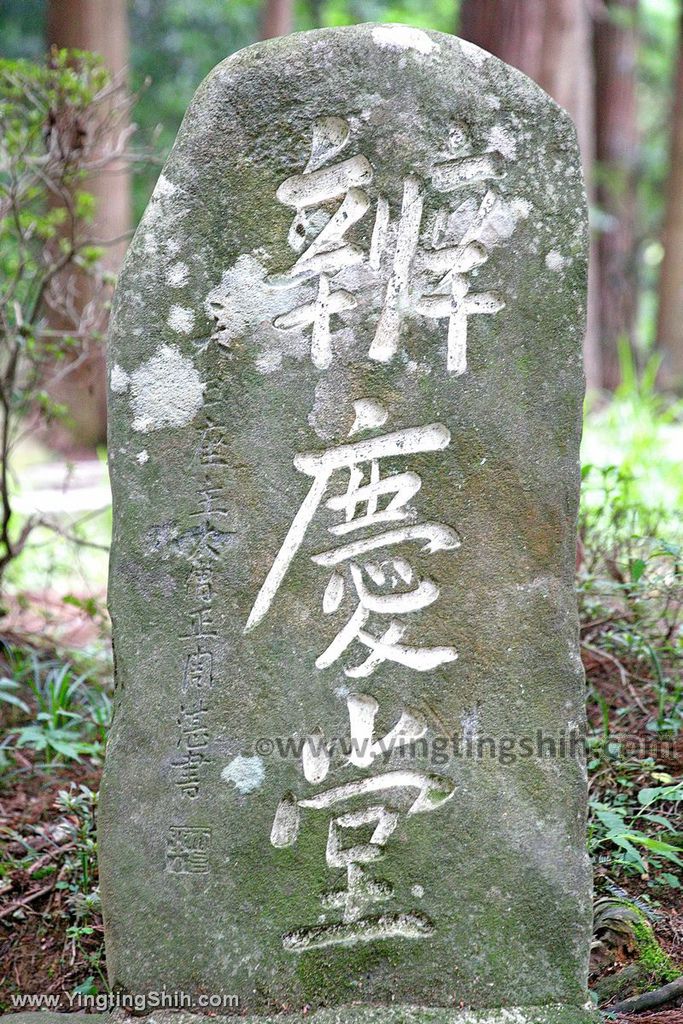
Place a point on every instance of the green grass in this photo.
(50, 708)
(631, 451)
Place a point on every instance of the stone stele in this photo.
(345, 774)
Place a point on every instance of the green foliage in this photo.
(630, 586)
(432, 14)
(57, 714)
(59, 121)
(7, 694)
(658, 31)
(630, 581)
(79, 803)
(23, 28)
(635, 440)
(619, 825)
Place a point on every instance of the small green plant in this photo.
(79, 870)
(8, 694)
(79, 803)
(68, 713)
(641, 840)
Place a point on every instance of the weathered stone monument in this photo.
(345, 774)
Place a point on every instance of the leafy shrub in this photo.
(60, 122)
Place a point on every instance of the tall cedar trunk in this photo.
(278, 18)
(670, 326)
(510, 29)
(617, 155)
(549, 40)
(100, 26)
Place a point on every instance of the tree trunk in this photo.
(549, 40)
(100, 26)
(582, 109)
(278, 18)
(670, 325)
(617, 154)
(510, 29)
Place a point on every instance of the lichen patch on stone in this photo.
(118, 379)
(165, 391)
(246, 773)
(181, 319)
(247, 302)
(178, 274)
(268, 362)
(555, 261)
(473, 53)
(163, 188)
(502, 141)
(403, 37)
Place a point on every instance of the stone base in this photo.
(50, 1017)
(558, 1014)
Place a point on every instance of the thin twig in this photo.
(31, 898)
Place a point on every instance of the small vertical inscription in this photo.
(210, 533)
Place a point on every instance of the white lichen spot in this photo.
(181, 319)
(163, 188)
(165, 391)
(502, 141)
(118, 379)
(178, 275)
(245, 300)
(269, 362)
(246, 773)
(403, 37)
(555, 261)
(473, 53)
(417, 891)
(142, 457)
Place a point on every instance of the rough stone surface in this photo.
(369, 242)
(50, 1017)
(340, 1015)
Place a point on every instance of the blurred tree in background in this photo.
(610, 63)
(615, 174)
(63, 123)
(101, 29)
(670, 323)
